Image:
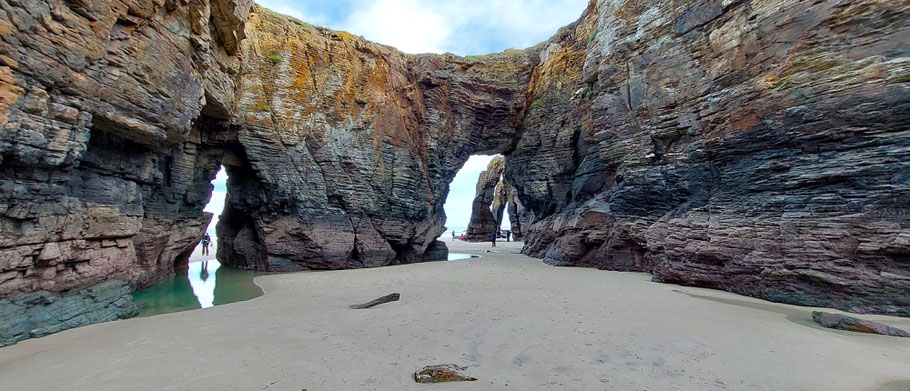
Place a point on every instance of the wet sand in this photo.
(515, 322)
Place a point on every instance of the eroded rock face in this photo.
(518, 215)
(43, 313)
(103, 170)
(351, 145)
(483, 220)
(756, 147)
(117, 115)
(489, 207)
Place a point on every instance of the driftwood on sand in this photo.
(385, 299)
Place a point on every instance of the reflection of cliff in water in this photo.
(172, 295)
(233, 285)
(203, 284)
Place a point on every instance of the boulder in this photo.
(849, 323)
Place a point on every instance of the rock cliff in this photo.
(485, 215)
(494, 196)
(349, 146)
(756, 147)
(105, 166)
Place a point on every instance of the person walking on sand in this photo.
(206, 240)
(453, 235)
(493, 236)
(508, 235)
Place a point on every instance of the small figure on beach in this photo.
(508, 235)
(493, 236)
(206, 240)
(462, 236)
(453, 235)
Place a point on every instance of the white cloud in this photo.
(409, 25)
(461, 26)
(298, 9)
(437, 26)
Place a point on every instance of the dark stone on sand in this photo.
(849, 323)
(441, 373)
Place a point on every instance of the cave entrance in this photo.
(215, 206)
(480, 201)
(200, 279)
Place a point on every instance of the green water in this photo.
(204, 284)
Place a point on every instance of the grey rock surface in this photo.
(754, 147)
(42, 313)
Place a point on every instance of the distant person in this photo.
(453, 235)
(462, 236)
(493, 236)
(206, 241)
(508, 235)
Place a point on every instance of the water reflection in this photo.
(457, 256)
(203, 284)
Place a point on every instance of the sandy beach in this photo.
(515, 322)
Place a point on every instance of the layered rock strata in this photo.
(518, 215)
(755, 147)
(43, 313)
(106, 160)
(485, 216)
(350, 146)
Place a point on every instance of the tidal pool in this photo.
(457, 256)
(204, 284)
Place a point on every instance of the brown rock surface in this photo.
(104, 167)
(518, 215)
(849, 323)
(756, 147)
(483, 220)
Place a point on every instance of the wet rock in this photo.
(849, 323)
(442, 373)
(42, 313)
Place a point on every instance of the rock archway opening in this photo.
(215, 207)
(205, 279)
(481, 201)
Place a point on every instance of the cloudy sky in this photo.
(463, 27)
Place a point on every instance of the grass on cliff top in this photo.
(292, 19)
(508, 53)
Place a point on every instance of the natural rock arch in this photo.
(757, 148)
